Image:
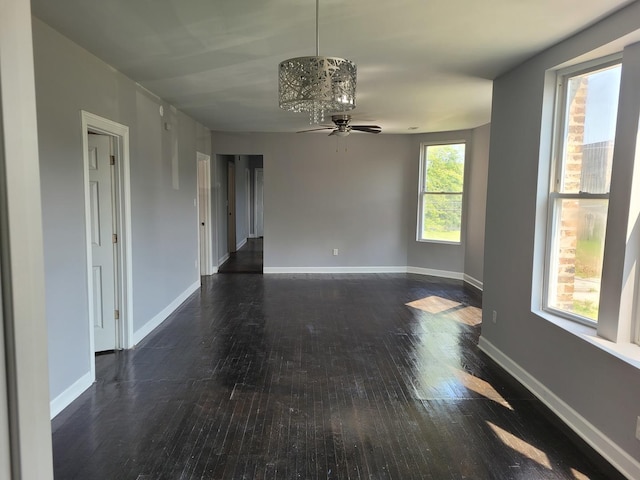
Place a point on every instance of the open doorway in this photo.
(241, 184)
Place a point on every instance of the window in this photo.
(441, 189)
(579, 195)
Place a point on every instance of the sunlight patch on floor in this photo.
(468, 315)
(459, 312)
(481, 387)
(433, 304)
(578, 475)
(520, 446)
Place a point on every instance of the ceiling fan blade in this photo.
(316, 129)
(367, 128)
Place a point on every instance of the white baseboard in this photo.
(224, 258)
(148, 327)
(436, 273)
(267, 270)
(241, 244)
(253, 235)
(473, 281)
(63, 400)
(395, 269)
(214, 270)
(625, 463)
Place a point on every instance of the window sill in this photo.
(441, 242)
(627, 352)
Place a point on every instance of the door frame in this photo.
(247, 187)
(255, 201)
(205, 187)
(124, 270)
(232, 223)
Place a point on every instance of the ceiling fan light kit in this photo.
(317, 84)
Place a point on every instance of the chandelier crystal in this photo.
(317, 84)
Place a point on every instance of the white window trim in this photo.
(557, 155)
(618, 328)
(422, 191)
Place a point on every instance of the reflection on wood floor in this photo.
(315, 377)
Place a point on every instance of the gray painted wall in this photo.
(438, 256)
(219, 198)
(242, 223)
(255, 161)
(163, 188)
(357, 194)
(317, 198)
(25, 427)
(476, 191)
(600, 387)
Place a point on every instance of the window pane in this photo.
(444, 170)
(589, 131)
(577, 263)
(442, 217)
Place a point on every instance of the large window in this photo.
(441, 189)
(579, 196)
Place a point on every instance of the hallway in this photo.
(314, 376)
(248, 259)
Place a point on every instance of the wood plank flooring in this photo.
(315, 377)
(248, 259)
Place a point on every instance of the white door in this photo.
(101, 177)
(259, 202)
(204, 212)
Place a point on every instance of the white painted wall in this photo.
(595, 391)
(163, 188)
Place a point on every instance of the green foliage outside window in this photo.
(443, 187)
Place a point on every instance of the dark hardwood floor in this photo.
(248, 259)
(315, 377)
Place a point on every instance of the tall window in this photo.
(579, 198)
(441, 188)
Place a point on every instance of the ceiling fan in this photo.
(343, 127)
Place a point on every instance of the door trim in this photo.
(124, 291)
(255, 202)
(232, 224)
(208, 233)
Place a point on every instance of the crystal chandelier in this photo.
(317, 84)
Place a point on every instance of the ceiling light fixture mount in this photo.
(317, 84)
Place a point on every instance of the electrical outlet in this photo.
(638, 428)
(495, 317)
(335, 251)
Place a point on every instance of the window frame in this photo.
(554, 196)
(422, 191)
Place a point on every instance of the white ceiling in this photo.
(424, 64)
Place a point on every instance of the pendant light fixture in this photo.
(317, 85)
